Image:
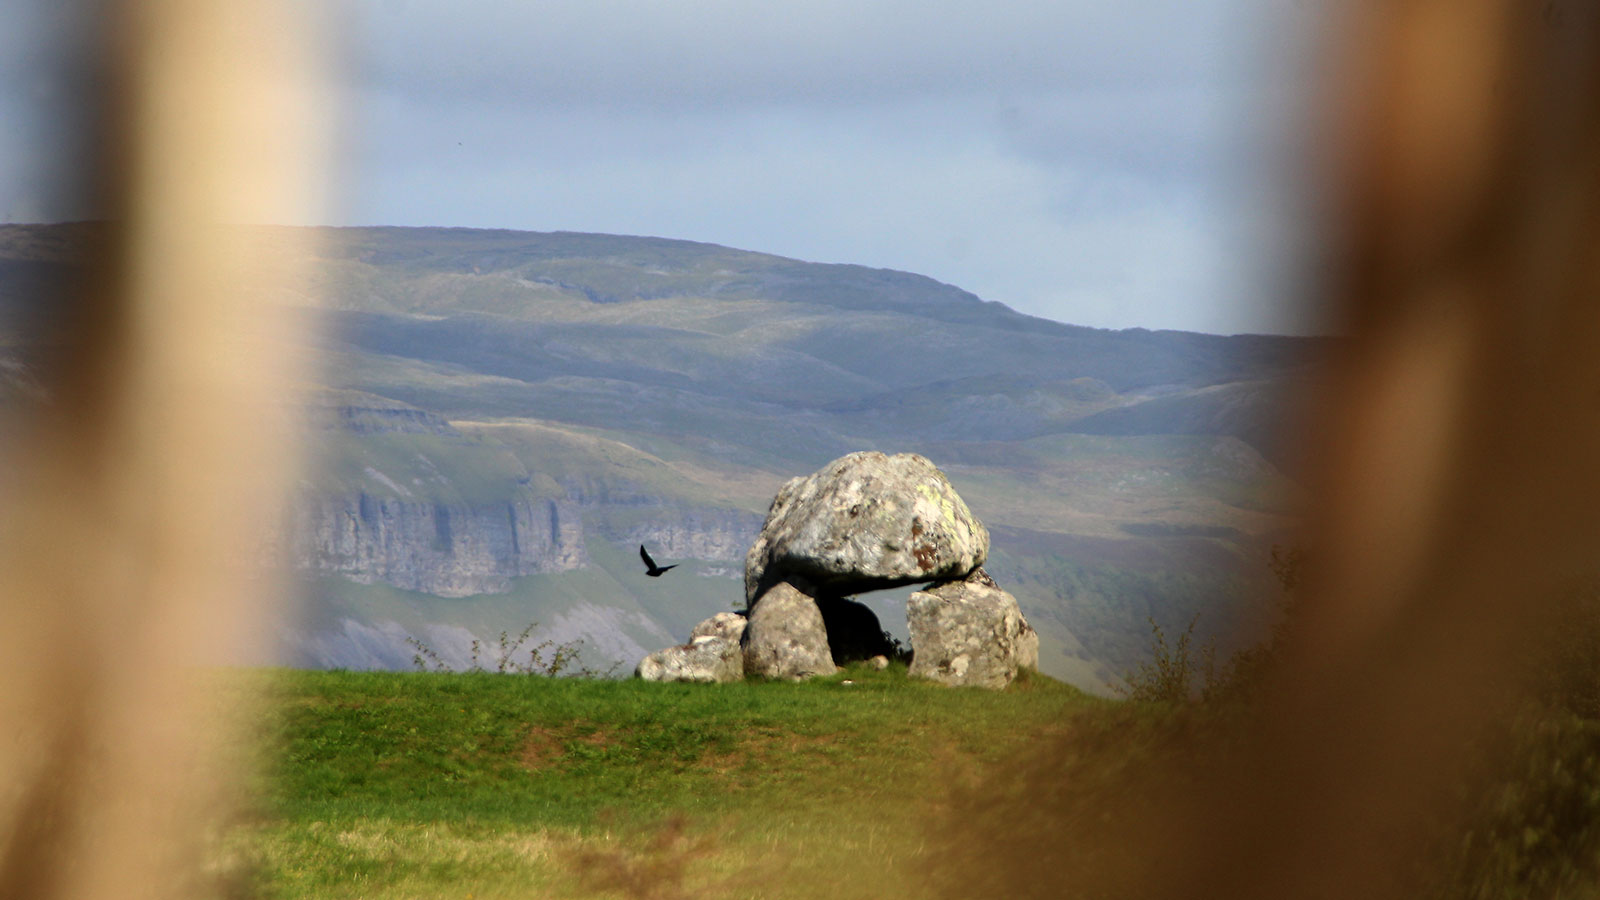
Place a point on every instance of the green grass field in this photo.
(864, 784)
(391, 785)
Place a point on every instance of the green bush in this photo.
(1174, 674)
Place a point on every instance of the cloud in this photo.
(45, 67)
(44, 41)
(704, 53)
(1097, 163)
(931, 188)
(1083, 161)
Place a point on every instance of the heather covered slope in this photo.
(499, 418)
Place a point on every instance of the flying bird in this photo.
(651, 569)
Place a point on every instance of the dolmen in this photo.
(864, 522)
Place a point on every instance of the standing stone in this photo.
(864, 522)
(705, 659)
(967, 633)
(785, 637)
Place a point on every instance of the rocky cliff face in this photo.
(458, 550)
(407, 499)
(681, 532)
(436, 548)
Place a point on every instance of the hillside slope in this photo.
(499, 418)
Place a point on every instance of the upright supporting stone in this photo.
(968, 633)
(785, 637)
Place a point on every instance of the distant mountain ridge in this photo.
(500, 417)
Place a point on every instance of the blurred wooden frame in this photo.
(130, 511)
(1458, 495)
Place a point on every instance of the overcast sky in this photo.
(1102, 163)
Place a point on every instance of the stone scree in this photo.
(863, 522)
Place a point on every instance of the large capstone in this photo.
(785, 637)
(969, 633)
(705, 659)
(863, 522)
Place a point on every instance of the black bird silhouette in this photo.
(651, 569)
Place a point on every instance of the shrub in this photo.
(1174, 669)
(563, 658)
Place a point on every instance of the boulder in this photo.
(728, 625)
(968, 633)
(854, 632)
(706, 659)
(785, 636)
(863, 522)
(981, 576)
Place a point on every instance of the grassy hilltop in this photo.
(391, 785)
(863, 784)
